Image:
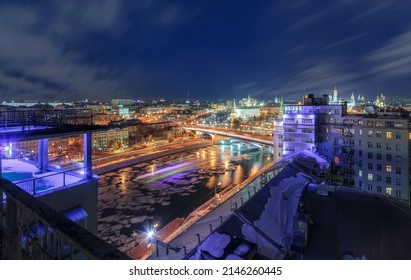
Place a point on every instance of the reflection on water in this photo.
(158, 191)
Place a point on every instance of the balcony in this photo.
(30, 229)
(24, 174)
(49, 209)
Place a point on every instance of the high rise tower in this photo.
(188, 96)
(335, 95)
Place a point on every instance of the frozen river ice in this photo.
(134, 198)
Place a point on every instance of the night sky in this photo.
(148, 49)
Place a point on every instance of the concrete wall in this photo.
(84, 194)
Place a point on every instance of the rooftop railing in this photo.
(37, 185)
(30, 229)
(31, 119)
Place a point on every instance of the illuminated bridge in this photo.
(256, 138)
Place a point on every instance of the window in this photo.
(378, 189)
(369, 176)
(378, 178)
(337, 160)
(388, 145)
(369, 155)
(369, 166)
(397, 170)
(360, 173)
(369, 187)
(370, 133)
(369, 144)
(378, 145)
(398, 147)
(378, 134)
(398, 158)
(389, 134)
(388, 169)
(360, 153)
(379, 156)
(388, 157)
(388, 180)
(398, 182)
(397, 193)
(378, 167)
(397, 136)
(409, 135)
(307, 121)
(388, 191)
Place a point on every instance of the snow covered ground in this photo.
(18, 165)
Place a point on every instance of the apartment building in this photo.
(111, 137)
(384, 155)
(369, 151)
(305, 124)
(54, 146)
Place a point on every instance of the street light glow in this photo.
(150, 233)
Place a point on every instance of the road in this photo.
(156, 147)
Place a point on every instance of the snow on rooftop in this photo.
(44, 181)
(276, 220)
(324, 164)
(308, 160)
(214, 245)
(17, 165)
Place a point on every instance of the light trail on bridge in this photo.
(232, 135)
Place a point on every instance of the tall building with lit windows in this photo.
(384, 155)
(308, 126)
(370, 152)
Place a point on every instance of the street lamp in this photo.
(215, 191)
(150, 234)
(152, 239)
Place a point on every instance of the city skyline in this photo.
(157, 49)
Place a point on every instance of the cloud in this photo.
(33, 49)
(287, 5)
(317, 75)
(169, 15)
(95, 15)
(297, 49)
(344, 41)
(392, 60)
(378, 8)
(306, 21)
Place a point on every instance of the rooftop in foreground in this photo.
(357, 224)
